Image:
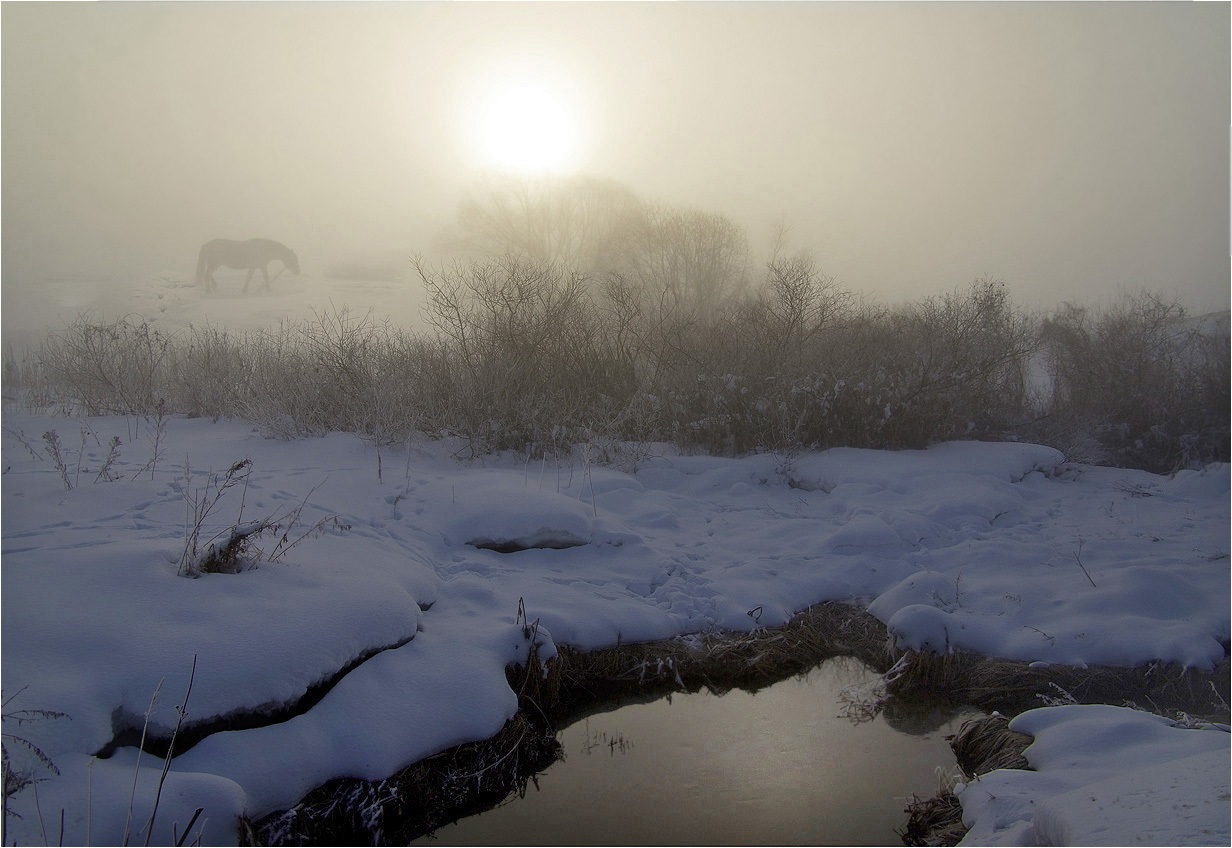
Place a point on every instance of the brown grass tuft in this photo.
(934, 821)
(987, 744)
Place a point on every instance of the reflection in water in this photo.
(781, 766)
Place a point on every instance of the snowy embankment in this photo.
(993, 548)
(1105, 775)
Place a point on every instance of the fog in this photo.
(1073, 150)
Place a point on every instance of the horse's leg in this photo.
(265, 274)
(248, 279)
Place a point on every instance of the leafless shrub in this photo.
(234, 548)
(199, 504)
(566, 221)
(530, 356)
(106, 368)
(692, 259)
(1145, 382)
(523, 354)
(208, 373)
(25, 380)
(282, 391)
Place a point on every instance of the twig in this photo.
(21, 437)
(81, 452)
(113, 453)
(182, 710)
(179, 841)
(1078, 559)
(137, 769)
(1052, 640)
(52, 438)
(90, 801)
(38, 811)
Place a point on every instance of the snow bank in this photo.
(1106, 775)
(995, 548)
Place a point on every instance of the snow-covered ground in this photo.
(1105, 775)
(169, 300)
(996, 548)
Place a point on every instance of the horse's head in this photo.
(293, 262)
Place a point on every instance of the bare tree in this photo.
(564, 221)
(691, 258)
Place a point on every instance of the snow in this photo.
(1105, 775)
(997, 548)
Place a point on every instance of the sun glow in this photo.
(527, 128)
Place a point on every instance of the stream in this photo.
(791, 764)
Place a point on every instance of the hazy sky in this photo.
(1070, 149)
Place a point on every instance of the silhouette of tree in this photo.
(686, 257)
(566, 221)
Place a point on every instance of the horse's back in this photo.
(251, 254)
(217, 248)
(230, 252)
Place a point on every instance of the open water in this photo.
(791, 764)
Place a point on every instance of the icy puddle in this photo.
(782, 766)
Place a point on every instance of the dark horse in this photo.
(251, 254)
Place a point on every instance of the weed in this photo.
(16, 780)
(155, 438)
(199, 505)
(56, 452)
(20, 436)
(232, 550)
(113, 453)
(1078, 559)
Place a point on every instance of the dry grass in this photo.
(982, 745)
(1011, 687)
(718, 661)
(987, 744)
(435, 791)
(934, 821)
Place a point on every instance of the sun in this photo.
(526, 128)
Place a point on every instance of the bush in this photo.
(524, 355)
(107, 369)
(1148, 385)
(207, 373)
(533, 357)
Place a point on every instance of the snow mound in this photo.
(505, 513)
(1006, 461)
(1102, 774)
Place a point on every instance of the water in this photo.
(779, 767)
